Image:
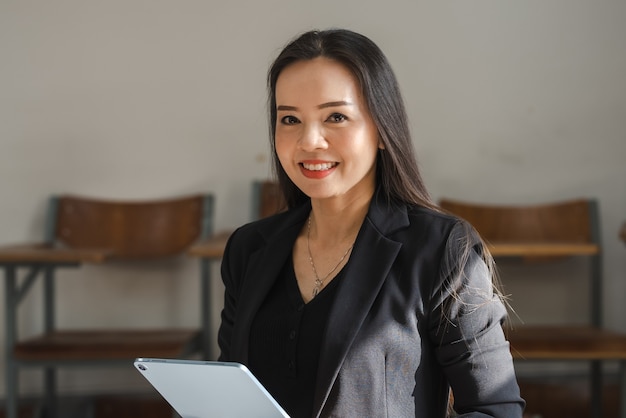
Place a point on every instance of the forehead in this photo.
(320, 78)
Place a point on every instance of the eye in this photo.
(337, 117)
(289, 120)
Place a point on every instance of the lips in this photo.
(317, 169)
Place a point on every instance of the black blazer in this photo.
(406, 325)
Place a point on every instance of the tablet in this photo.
(209, 389)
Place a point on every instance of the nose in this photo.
(312, 138)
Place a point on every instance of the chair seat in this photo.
(575, 342)
(211, 247)
(80, 345)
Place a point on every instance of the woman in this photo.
(362, 299)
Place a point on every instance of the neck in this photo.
(333, 224)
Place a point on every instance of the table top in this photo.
(214, 248)
(541, 249)
(574, 342)
(45, 253)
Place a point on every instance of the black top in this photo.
(285, 342)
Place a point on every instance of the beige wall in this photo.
(510, 102)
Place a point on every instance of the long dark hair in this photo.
(397, 172)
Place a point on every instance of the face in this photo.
(326, 139)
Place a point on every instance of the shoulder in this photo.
(434, 234)
(417, 226)
(424, 217)
(436, 225)
(393, 217)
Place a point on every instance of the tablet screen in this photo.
(209, 389)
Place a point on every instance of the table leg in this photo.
(49, 373)
(11, 372)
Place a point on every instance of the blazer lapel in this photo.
(369, 265)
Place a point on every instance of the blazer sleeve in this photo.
(466, 329)
(231, 290)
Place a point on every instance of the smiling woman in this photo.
(364, 298)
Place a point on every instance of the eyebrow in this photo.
(322, 106)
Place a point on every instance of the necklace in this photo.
(319, 283)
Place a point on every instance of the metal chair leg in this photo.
(51, 405)
(596, 389)
(622, 389)
(49, 372)
(11, 391)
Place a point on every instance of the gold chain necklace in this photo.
(319, 283)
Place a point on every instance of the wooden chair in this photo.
(267, 199)
(562, 229)
(82, 230)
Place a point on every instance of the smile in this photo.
(319, 167)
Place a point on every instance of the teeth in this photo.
(318, 167)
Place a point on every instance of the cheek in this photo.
(283, 149)
(368, 144)
(279, 144)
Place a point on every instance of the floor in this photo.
(118, 406)
(125, 407)
(544, 400)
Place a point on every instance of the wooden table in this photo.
(40, 261)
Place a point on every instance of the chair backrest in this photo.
(267, 199)
(130, 229)
(562, 222)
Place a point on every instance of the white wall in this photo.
(510, 102)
